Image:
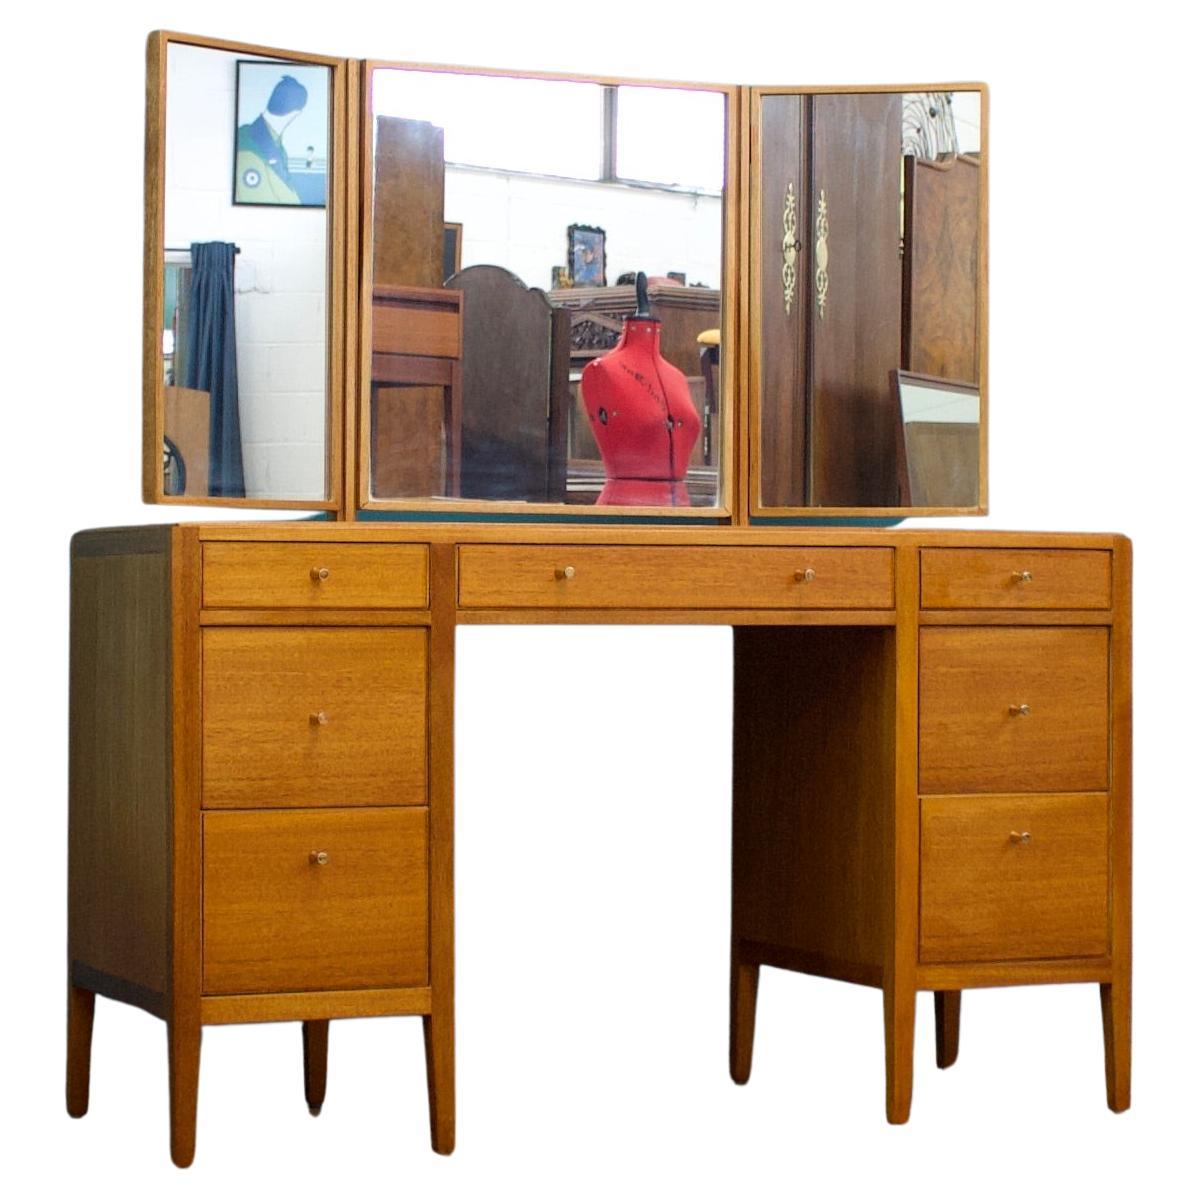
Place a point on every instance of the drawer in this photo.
(278, 919)
(1016, 579)
(988, 892)
(674, 577)
(323, 717)
(1006, 709)
(314, 575)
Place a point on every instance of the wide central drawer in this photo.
(295, 901)
(316, 575)
(1013, 709)
(322, 717)
(674, 577)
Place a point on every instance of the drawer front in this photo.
(1009, 877)
(314, 575)
(674, 577)
(278, 919)
(1028, 579)
(1013, 709)
(323, 717)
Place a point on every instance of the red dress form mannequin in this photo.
(642, 416)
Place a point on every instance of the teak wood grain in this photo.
(975, 736)
(277, 919)
(319, 577)
(733, 577)
(1021, 579)
(321, 717)
(987, 894)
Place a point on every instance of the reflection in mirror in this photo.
(870, 210)
(510, 217)
(245, 408)
(938, 447)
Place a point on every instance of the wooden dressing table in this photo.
(931, 768)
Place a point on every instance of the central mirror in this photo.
(507, 357)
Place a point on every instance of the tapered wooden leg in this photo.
(899, 1017)
(947, 1008)
(316, 1062)
(1117, 1013)
(743, 1000)
(183, 1049)
(439, 1073)
(81, 1008)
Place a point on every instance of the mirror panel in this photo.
(509, 218)
(868, 243)
(242, 256)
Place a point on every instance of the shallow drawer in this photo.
(1007, 877)
(302, 900)
(673, 577)
(1013, 710)
(326, 717)
(1016, 579)
(314, 575)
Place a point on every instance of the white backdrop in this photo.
(593, 764)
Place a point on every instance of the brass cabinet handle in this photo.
(1020, 839)
(821, 255)
(806, 576)
(564, 572)
(318, 858)
(791, 248)
(318, 718)
(319, 574)
(1019, 710)
(1022, 576)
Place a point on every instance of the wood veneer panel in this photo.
(972, 681)
(321, 717)
(119, 770)
(987, 897)
(814, 738)
(282, 576)
(1017, 579)
(276, 921)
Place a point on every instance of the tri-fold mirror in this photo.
(564, 296)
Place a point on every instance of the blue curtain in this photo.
(212, 362)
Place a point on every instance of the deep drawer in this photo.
(1013, 877)
(674, 577)
(314, 575)
(295, 901)
(314, 717)
(1013, 709)
(1026, 579)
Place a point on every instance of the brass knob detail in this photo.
(1022, 577)
(564, 572)
(1019, 710)
(1020, 839)
(319, 858)
(806, 576)
(319, 574)
(318, 718)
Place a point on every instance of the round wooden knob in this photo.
(564, 572)
(318, 718)
(806, 576)
(1022, 577)
(1019, 710)
(1020, 839)
(319, 574)
(318, 858)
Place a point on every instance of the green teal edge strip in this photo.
(486, 518)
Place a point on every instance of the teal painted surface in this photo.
(485, 518)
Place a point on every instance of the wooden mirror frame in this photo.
(340, 204)
(731, 223)
(349, 289)
(756, 511)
